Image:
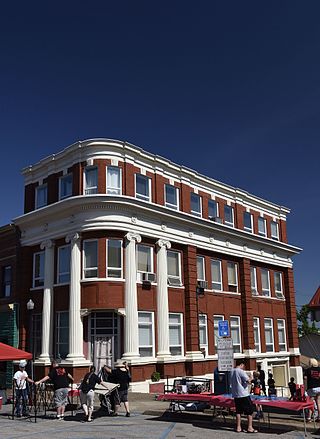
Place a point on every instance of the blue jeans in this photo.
(21, 400)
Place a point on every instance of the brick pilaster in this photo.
(246, 304)
(292, 326)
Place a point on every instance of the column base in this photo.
(163, 356)
(43, 361)
(194, 356)
(74, 360)
(130, 357)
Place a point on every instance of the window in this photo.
(256, 333)
(146, 334)
(278, 284)
(114, 258)
(175, 334)
(90, 260)
(171, 197)
(282, 335)
(38, 270)
(200, 268)
(6, 281)
(216, 275)
(62, 334)
(143, 190)
(228, 215)
(65, 186)
(265, 282)
(212, 209)
(216, 320)
(203, 333)
(232, 276)
(253, 277)
(174, 268)
(196, 207)
(247, 221)
(274, 230)
(268, 333)
(63, 264)
(41, 196)
(261, 226)
(113, 180)
(235, 333)
(37, 334)
(91, 180)
(145, 259)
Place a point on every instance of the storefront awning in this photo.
(8, 353)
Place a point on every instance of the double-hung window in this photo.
(262, 226)
(216, 277)
(253, 278)
(201, 275)
(256, 333)
(282, 335)
(228, 215)
(65, 186)
(196, 204)
(41, 196)
(114, 258)
(6, 281)
(63, 272)
(144, 258)
(62, 334)
(38, 270)
(265, 282)
(174, 268)
(278, 284)
(212, 209)
(203, 333)
(268, 333)
(143, 187)
(274, 230)
(146, 334)
(171, 197)
(91, 180)
(216, 320)
(247, 222)
(235, 333)
(113, 180)
(175, 334)
(90, 258)
(232, 277)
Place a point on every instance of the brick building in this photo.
(117, 244)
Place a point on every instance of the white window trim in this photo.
(221, 281)
(203, 267)
(205, 325)
(83, 260)
(181, 333)
(166, 203)
(179, 267)
(107, 267)
(262, 290)
(285, 335)
(272, 332)
(279, 293)
(217, 209)
(257, 325)
(142, 197)
(34, 270)
(239, 327)
(265, 227)
(120, 178)
(58, 264)
(247, 229)
(236, 270)
(60, 181)
(85, 180)
(194, 212)
(151, 257)
(153, 333)
(228, 223)
(41, 186)
(254, 293)
(275, 237)
(214, 327)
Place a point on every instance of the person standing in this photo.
(20, 379)
(240, 389)
(312, 375)
(60, 379)
(87, 392)
(120, 375)
(262, 376)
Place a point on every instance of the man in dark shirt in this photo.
(87, 392)
(120, 375)
(312, 375)
(262, 377)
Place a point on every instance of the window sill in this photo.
(102, 279)
(222, 292)
(36, 288)
(261, 296)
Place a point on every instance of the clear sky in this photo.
(229, 88)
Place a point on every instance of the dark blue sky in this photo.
(229, 88)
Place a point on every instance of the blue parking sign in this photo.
(223, 328)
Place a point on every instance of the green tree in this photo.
(305, 327)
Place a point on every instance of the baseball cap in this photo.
(22, 363)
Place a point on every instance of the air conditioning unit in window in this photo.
(216, 219)
(174, 281)
(148, 277)
(202, 284)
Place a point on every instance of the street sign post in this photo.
(225, 354)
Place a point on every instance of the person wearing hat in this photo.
(120, 375)
(20, 379)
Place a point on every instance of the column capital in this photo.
(48, 243)
(131, 236)
(163, 243)
(72, 237)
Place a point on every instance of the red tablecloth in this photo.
(73, 392)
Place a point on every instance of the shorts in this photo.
(244, 405)
(314, 391)
(61, 397)
(123, 395)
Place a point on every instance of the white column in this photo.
(47, 304)
(75, 323)
(131, 330)
(162, 300)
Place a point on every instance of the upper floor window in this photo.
(90, 259)
(278, 284)
(268, 333)
(265, 282)
(216, 277)
(228, 215)
(91, 180)
(213, 209)
(203, 333)
(6, 281)
(256, 333)
(235, 333)
(175, 334)
(201, 268)
(63, 272)
(144, 258)
(253, 278)
(171, 197)
(143, 187)
(282, 335)
(146, 334)
(38, 270)
(174, 268)
(275, 230)
(41, 196)
(62, 334)
(216, 320)
(114, 258)
(65, 186)
(113, 180)
(232, 276)
(247, 221)
(261, 226)
(196, 204)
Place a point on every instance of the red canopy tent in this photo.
(8, 353)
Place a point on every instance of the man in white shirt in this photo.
(20, 379)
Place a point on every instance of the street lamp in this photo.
(30, 308)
